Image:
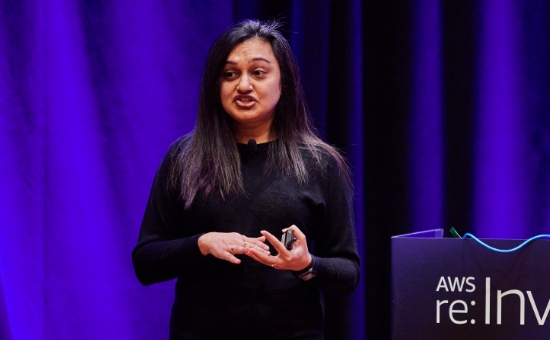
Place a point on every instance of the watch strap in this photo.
(308, 272)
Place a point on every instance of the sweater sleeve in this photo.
(159, 255)
(335, 249)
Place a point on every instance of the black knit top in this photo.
(218, 300)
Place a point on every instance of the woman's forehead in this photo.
(252, 50)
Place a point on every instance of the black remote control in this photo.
(288, 239)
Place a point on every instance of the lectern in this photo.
(451, 288)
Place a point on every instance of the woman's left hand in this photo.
(295, 259)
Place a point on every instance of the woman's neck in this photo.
(242, 135)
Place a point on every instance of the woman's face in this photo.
(251, 86)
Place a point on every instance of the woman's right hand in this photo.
(226, 245)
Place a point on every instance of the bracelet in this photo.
(308, 272)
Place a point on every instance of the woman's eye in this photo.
(229, 74)
(259, 73)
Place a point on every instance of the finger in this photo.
(257, 242)
(274, 242)
(231, 258)
(243, 250)
(260, 241)
(237, 250)
(252, 254)
(267, 260)
(299, 236)
(297, 232)
(252, 244)
(258, 256)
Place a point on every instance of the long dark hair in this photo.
(209, 159)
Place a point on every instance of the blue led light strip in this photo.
(506, 250)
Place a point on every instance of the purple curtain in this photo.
(91, 96)
(440, 107)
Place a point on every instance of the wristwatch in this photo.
(308, 272)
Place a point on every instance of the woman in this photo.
(250, 170)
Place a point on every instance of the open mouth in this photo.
(245, 102)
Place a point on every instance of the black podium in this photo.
(450, 288)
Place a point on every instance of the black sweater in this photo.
(219, 300)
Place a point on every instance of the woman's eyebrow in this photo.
(251, 60)
(258, 59)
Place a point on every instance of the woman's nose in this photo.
(244, 84)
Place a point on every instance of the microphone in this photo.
(252, 146)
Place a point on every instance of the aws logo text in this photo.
(457, 310)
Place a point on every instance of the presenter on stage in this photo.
(251, 171)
